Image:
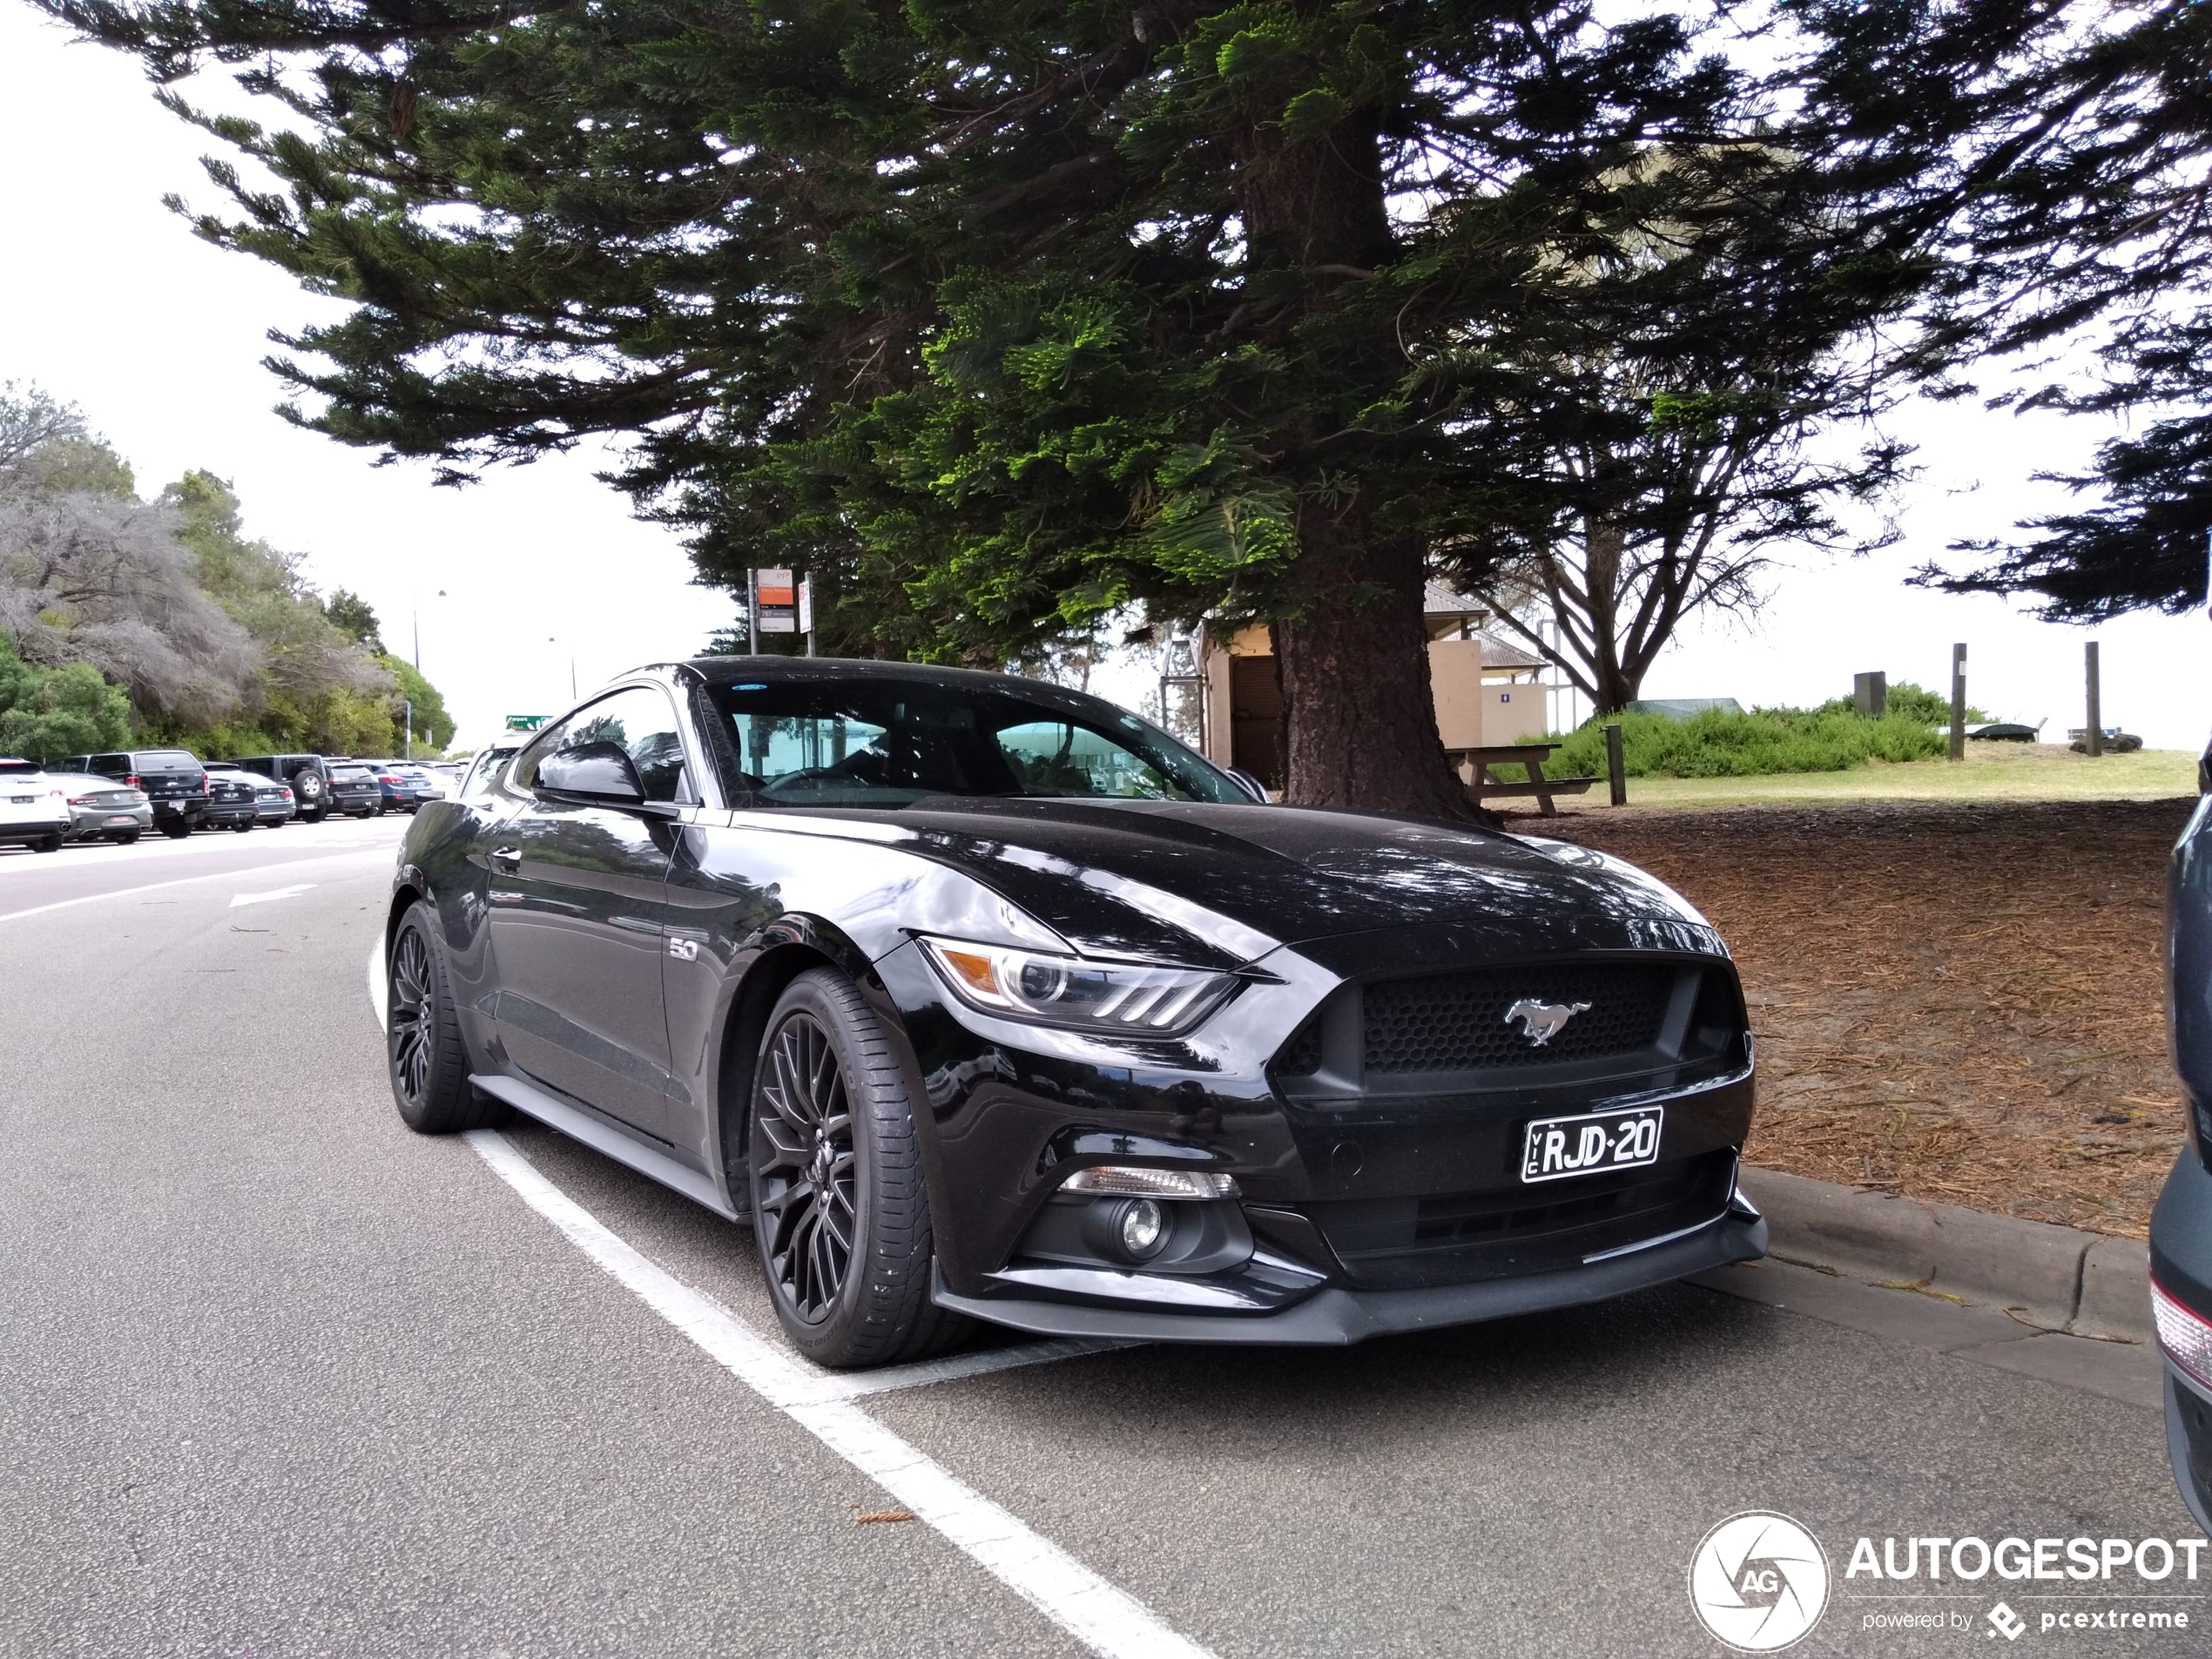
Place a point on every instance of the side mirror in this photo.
(599, 772)
(1248, 783)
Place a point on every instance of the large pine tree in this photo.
(998, 315)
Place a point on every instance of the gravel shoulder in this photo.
(1959, 1002)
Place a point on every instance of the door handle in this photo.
(507, 859)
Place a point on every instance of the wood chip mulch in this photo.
(1959, 1002)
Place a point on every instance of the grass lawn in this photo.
(1991, 771)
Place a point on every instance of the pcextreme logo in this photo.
(1758, 1582)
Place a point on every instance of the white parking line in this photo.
(889, 1379)
(1102, 1617)
(293, 891)
(185, 882)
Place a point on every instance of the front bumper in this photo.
(1332, 1316)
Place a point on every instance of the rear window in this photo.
(166, 760)
(19, 768)
(349, 774)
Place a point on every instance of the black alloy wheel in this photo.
(422, 1047)
(808, 1173)
(839, 1205)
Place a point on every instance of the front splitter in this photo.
(1337, 1318)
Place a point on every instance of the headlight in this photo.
(1132, 998)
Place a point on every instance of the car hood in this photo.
(1230, 884)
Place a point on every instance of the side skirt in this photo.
(604, 1138)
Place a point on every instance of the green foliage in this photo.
(1911, 702)
(433, 725)
(1717, 743)
(224, 646)
(49, 712)
(352, 616)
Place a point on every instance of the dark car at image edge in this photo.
(2181, 1226)
(983, 999)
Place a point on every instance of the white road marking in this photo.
(378, 992)
(889, 1379)
(264, 898)
(182, 882)
(1102, 1617)
(857, 1385)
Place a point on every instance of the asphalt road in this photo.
(278, 1377)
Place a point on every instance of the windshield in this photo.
(891, 743)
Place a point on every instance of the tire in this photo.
(242, 828)
(124, 837)
(424, 1055)
(315, 817)
(48, 843)
(849, 1273)
(176, 828)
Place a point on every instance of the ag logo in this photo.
(1758, 1582)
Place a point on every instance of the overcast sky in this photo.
(108, 300)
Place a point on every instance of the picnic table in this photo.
(1474, 764)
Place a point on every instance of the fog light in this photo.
(1152, 1183)
(1144, 1224)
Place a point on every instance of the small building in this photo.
(1488, 690)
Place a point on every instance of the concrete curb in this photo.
(2062, 1278)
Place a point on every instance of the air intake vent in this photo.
(1301, 1055)
(1457, 1021)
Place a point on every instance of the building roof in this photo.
(1503, 653)
(1441, 599)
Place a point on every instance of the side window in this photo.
(642, 722)
(1059, 758)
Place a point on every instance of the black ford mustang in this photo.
(985, 999)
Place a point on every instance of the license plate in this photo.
(21, 800)
(1590, 1143)
(125, 818)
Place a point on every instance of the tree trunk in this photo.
(1358, 712)
(1358, 715)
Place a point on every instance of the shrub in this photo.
(1717, 743)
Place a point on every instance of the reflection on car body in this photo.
(987, 1000)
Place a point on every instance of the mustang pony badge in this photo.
(1541, 1021)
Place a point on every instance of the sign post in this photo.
(2093, 740)
(1958, 701)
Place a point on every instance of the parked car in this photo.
(102, 810)
(430, 782)
(2181, 1227)
(34, 810)
(354, 788)
(307, 776)
(405, 786)
(483, 768)
(175, 784)
(987, 1000)
(231, 804)
(275, 805)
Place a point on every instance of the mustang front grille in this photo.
(1459, 1022)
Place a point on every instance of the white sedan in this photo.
(34, 808)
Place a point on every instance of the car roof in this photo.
(733, 671)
